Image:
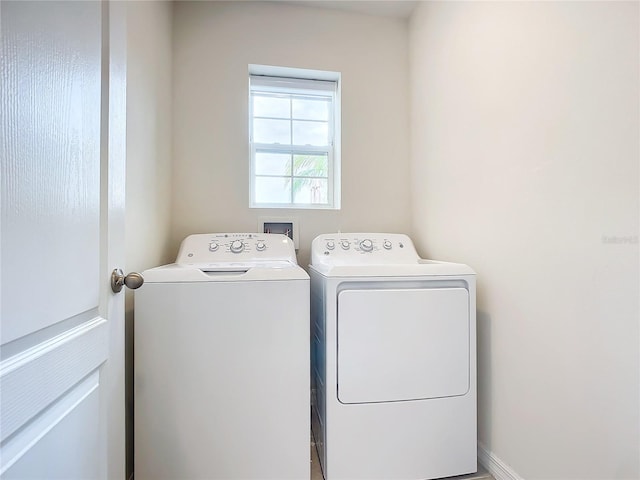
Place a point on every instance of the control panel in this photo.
(217, 248)
(363, 249)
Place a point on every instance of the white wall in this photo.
(525, 153)
(149, 128)
(213, 44)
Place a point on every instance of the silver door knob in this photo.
(133, 280)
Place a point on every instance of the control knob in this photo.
(366, 245)
(331, 245)
(260, 246)
(213, 246)
(387, 245)
(236, 246)
(345, 244)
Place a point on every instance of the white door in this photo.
(61, 329)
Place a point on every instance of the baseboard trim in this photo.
(496, 467)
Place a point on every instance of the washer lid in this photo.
(240, 266)
(241, 272)
(231, 257)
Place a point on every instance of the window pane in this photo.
(310, 165)
(292, 128)
(311, 109)
(273, 190)
(310, 190)
(272, 131)
(273, 163)
(269, 106)
(310, 133)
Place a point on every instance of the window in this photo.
(294, 125)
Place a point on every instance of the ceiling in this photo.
(387, 8)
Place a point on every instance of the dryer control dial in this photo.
(366, 245)
(213, 246)
(387, 245)
(331, 245)
(345, 244)
(260, 246)
(236, 246)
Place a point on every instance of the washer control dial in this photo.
(260, 246)
(366, 245)
(236, 246)
(331, 245)
(213, 247)
(387, 245)
(345, 244)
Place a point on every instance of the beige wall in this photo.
(149, 133)
(525, 153)
(214, 42)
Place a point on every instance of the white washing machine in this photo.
(222, 362)
(393, 360)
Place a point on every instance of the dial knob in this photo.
(366, 245)
(387, 244)
(236, 246)
(345, 244)
(331, 245)
(213, 246)
(260, 246)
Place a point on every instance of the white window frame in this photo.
(299, 82)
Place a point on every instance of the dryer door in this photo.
(402, 344)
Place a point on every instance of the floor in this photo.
(316, 472)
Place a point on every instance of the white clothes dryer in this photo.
(393, 360)
(222, 362)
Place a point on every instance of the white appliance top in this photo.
(231, 256)
(380, 254)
